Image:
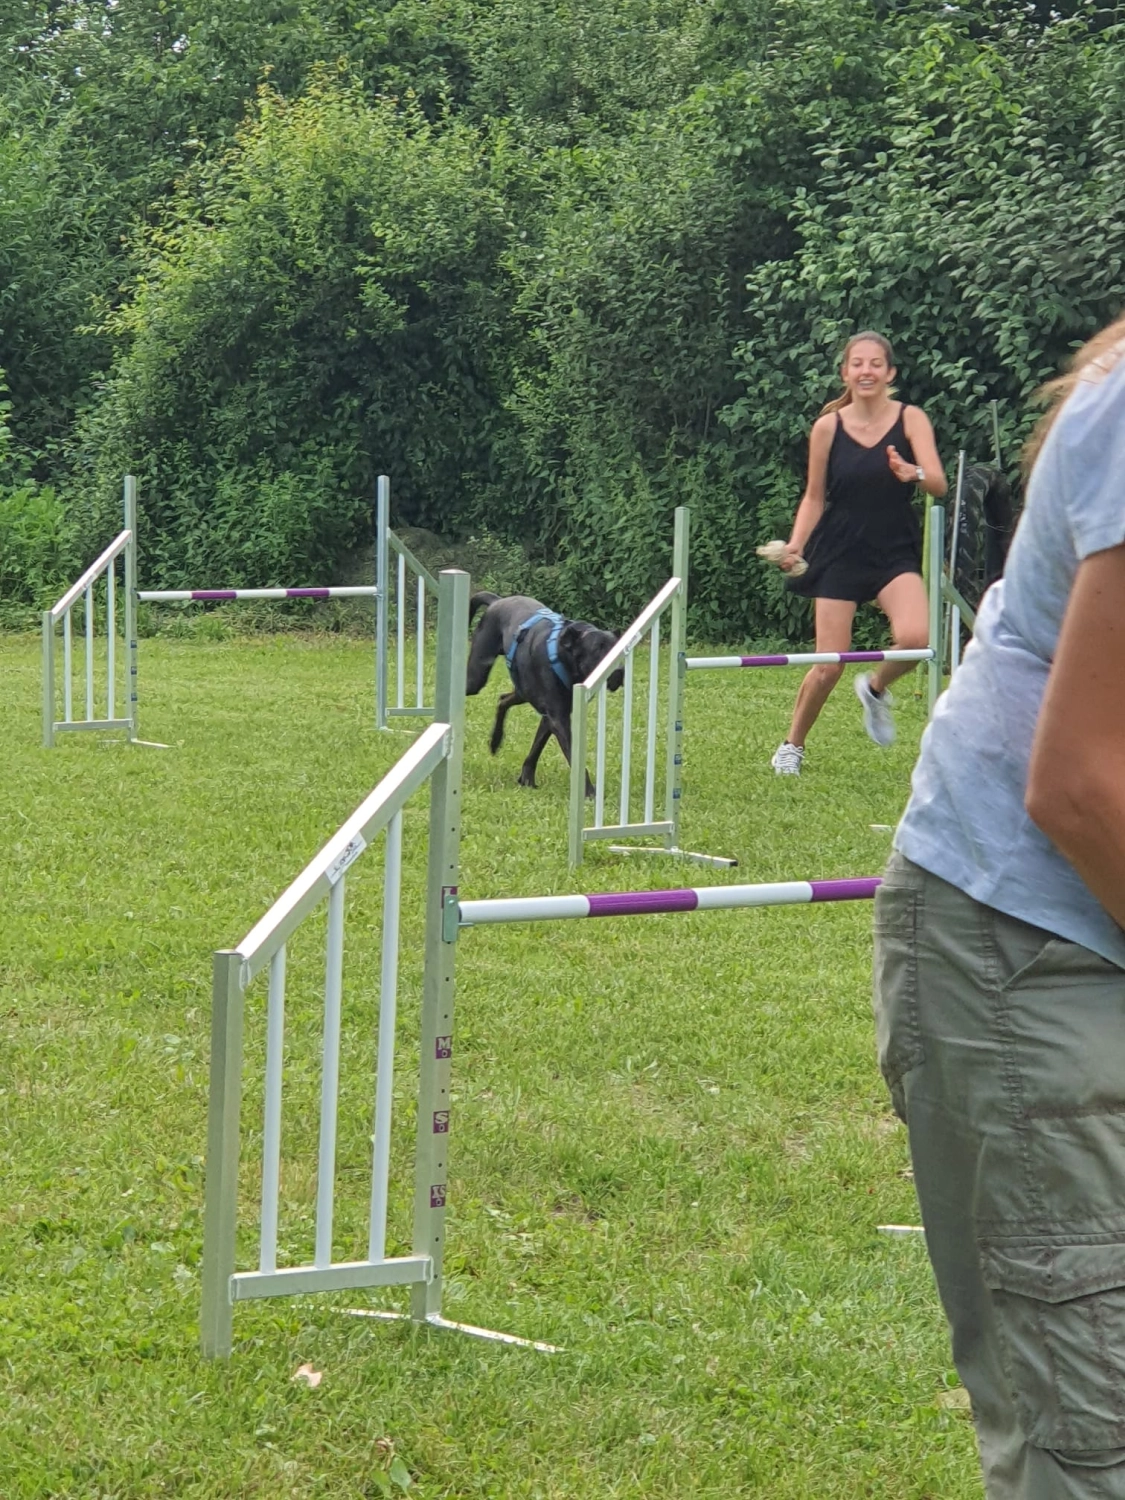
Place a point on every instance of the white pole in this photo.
(89, 651)
(382, 582)
(400, 607)
(330, 1075)
(599, 771)
(48, 679)
(131, 603)
(111, 640)
(271, 1126)
(420, 636)
(653, 704)
(937, 562)
(68, 668)
(626, 737)
(953, 617)
(385, 1073)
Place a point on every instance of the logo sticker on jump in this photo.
(437, 1195)
(347, 856)
(443, 1046)
(441, 1122)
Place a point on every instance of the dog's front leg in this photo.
(542, 735)
(507, 701)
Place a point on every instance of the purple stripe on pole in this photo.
(214, 593)
(844, 890)
(784, 661)
(308, 594)
(638, 903)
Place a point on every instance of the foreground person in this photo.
(999, 983)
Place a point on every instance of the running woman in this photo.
(857, 530)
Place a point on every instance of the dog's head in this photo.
(581, 648)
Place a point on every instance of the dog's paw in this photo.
(494, 743)
(526, 778)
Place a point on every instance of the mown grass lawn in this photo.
(670, 1151)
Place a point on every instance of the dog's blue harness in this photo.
(557, 623)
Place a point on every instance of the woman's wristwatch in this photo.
(920, 474)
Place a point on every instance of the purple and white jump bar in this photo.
(645, 903)
(172, 596)
(808, 658)
(812, 659)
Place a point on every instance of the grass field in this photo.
(670, 1152)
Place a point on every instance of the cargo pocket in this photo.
(898, 1033)
(1060, 1316)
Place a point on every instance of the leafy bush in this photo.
(555, 268)
(36, 547)
(310, 315)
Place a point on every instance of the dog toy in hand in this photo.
(774, 551)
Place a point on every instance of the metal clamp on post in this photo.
(450, 914)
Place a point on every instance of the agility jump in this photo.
(664, 724)
(95, 594)
(434, 759)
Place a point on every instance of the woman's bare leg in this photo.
(905, 605)
(833, 633)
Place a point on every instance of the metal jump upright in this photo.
(406, 566)
(85, 593)
(95, 596)
(663, 734)
(435, 757)
(939, 591)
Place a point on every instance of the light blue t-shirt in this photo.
(965, 820)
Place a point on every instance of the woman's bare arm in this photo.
(1076, 780)
(811, 507)
(917, 426)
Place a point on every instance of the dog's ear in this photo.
(572, 653)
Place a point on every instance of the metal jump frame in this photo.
(405, 562)
(103, 570)
(958, 611)
(670, 600)
(436, 757)
(939, 591)
(100, 580)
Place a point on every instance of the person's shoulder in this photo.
(914, 416)
(825, 424)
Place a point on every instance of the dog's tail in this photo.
(481, 601)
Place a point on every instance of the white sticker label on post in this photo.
(347, 856)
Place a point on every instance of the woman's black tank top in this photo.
(861, 480)
(869, 532)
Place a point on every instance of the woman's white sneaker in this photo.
(787, 759)
(877, 717)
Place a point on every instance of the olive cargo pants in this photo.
(1004, 1050)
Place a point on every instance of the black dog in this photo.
(546, 656)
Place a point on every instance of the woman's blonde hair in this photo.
(867, 337)
(1092, 361)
